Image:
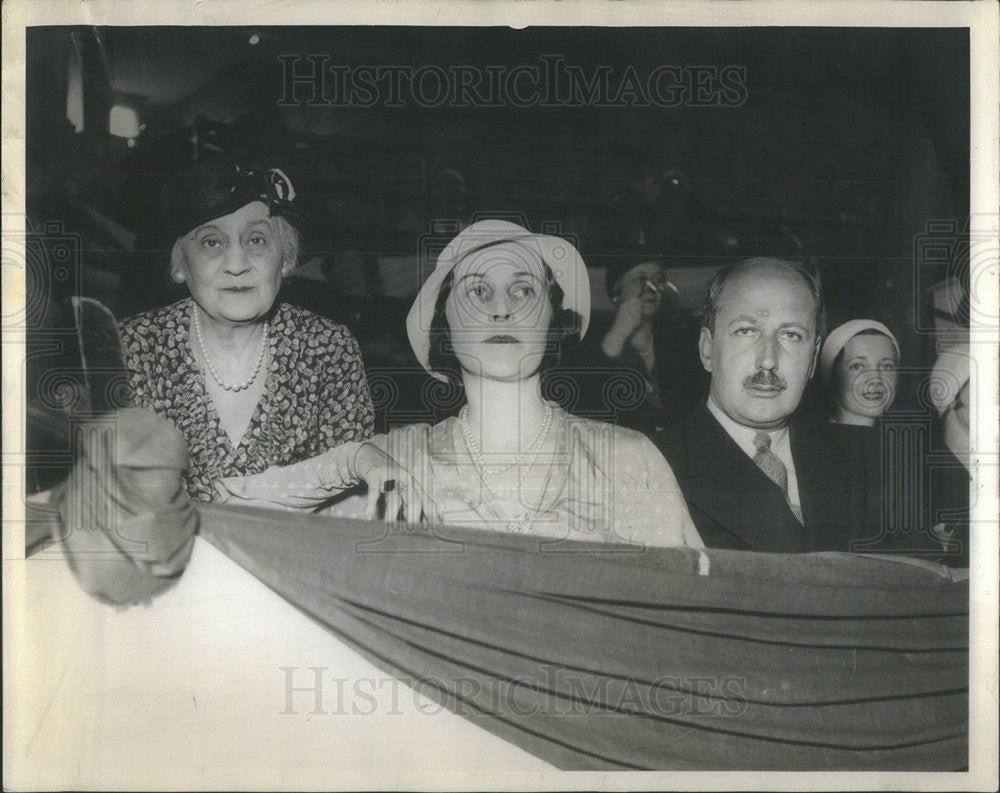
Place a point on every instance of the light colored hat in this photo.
(562, 258)
(837, 340)
(950, 373)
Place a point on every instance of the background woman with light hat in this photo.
(494, 313)
(918, 483)
(250, 382)
(858, 365)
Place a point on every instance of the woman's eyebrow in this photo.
(518, 274)
(206, 227)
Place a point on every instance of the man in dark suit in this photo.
(753, 479)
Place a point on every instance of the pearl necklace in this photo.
(477, 457)
(211, 367)
(520, 523)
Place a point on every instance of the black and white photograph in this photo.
(460, 395)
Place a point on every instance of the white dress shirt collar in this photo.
(780, 445)
(744, 435)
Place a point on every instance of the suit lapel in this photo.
(728, 487)
(825, 471)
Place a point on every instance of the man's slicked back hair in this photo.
(726, 274)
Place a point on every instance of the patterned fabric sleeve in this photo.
(309, 483)
(302, 485)
(346, 412)
(154, 355)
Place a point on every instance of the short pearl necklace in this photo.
(477, 457)
(211, 367)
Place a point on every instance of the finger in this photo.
(430, 507)
(426, 506)
(375, 485)
(423, 508)
(403, 497)
(393, 503)
(413, 503)
(371, 502)
(431, 510)
(413, 498)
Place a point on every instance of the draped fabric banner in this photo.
(597, 657)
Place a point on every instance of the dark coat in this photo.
(914, 484)
(734, 504)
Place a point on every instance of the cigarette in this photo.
(663, 289)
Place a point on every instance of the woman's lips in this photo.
(238, 289)
(502, 339)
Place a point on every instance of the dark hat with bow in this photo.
(215, 188)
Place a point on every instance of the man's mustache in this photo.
(765, 378)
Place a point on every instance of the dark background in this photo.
(849, 142)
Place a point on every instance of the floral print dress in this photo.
(316, 396)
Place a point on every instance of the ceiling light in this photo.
(123, 122)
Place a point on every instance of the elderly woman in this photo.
(250, 382)
(492, 316)
(858, 365)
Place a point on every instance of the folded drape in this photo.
(588, 655)
(596, 657)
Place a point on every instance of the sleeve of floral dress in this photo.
(649, 504)
(310, 483)
(303, 485)
(346, 412)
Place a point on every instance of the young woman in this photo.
(859, 364)
(496, 311)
